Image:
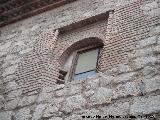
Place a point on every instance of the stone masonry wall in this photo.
(127, 90)
(129, 81)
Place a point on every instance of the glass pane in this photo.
(87, 61)
(85, 75)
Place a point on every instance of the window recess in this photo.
(81, 64)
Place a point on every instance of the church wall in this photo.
(128, 83)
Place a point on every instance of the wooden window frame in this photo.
(75, 59)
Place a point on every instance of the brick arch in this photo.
(78, 45)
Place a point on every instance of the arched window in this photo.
(86, 63)
(82, 59)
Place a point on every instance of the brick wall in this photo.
(36, 68)
(127, 25)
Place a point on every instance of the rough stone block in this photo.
(124, 77)
(156, 49)
(6, 115)
(145, 105)
(152, 84)
(61, 92)
(123, 2)
(141, 53)
(150, 6)
(45, 97)
(11, 86)
(12, 104)
(116, 109)
(105, 79)
(12, 61)
(25, 51)
(15, 61)
(55, 118)
(155, 12)
(26, 100)
(118, 69)
(57, 87)
(89, 93)
(13, 94)
(88, 112)
(48, 89)
(19, 43)
(51, 110)
(130, 88)
(10, 57)
(9, 78)
(73, 102)
(2, 100)
(92, 84)
(143, 61)
(122, 68)
(10, 36)
(9, 70)
(101, 95)
(53, 107)
(3, 53)
(141, 119)
(146, 42)
(74, 117)
(155, 30)
(38, 111)
(23, 114)
(16, 49)
(74, 89)
(5, 46)
(158, 42)
(149, 71)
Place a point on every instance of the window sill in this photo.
(83, 80)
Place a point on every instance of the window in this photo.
(86, 64)
(82, 64)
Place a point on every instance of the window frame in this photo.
(75, 60)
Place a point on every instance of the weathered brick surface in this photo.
(36, 70)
